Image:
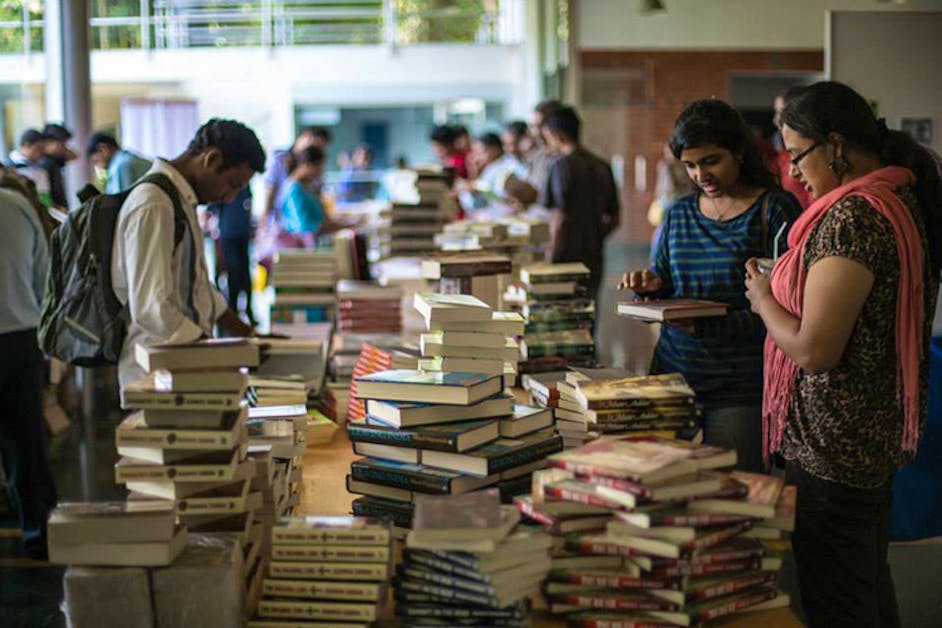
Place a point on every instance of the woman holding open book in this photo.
(849, 312)
(735, 214)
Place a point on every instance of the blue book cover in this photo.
(441, 437)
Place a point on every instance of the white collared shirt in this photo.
(152, 276)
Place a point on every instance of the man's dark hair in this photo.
(460, 130)
(56, 131)
(237, 143)
(32, 136)
(101, 138)
(517, 128)
(310, 155)
(443, 134)
(564, 121)
(546, 107)
(491, 140)
(319, 132)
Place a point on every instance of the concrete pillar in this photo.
(68, 80)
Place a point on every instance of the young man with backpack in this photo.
(161, 276)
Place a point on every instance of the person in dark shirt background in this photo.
(58, 154)
(581, 196)
(235, 230)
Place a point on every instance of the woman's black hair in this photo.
(310, 155)
(237, 143)
(713, 121)
(831, 107)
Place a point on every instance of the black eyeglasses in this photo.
(797, 158)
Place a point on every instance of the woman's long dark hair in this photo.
(713, 121)
(831, 107)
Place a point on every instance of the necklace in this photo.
(721, 214)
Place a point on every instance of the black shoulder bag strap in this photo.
(764, 227)
(181, 226)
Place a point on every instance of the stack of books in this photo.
(373, 359)
(442, 433)
(470, 566)
(410, 228)
(471, 235)
(186, 442)
(366, 307)
(127, 533)
(483, 276)
(677, 541)
(466, 335)
(281, 430)
(304, 286)
(661, 403)
(326, 571)
(560, 317)
(522, 240)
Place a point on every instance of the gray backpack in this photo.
(82, 321)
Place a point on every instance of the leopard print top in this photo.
(846, 425)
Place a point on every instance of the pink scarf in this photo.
(788, 286)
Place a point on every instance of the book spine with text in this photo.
(732, 586)
(330, 553)
(314, 536)
(736, 604)
(337, 611)
(400, 479)
(329, 571)
(412, 438)
(312, 589)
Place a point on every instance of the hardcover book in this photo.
(413, 477)
(454, 437)
(632, 391)
(497, 456)
(214, 353)
(667, 310)
(428, 387)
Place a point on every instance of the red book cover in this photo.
(726, 606)
(616, 602)
(707, 591)
(707, 569)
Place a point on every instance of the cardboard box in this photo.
(204, 587)
(107, 597)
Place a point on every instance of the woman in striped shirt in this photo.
(738, 211)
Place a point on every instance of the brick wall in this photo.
(650, 88)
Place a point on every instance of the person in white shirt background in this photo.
(24, 264)
(152, 274)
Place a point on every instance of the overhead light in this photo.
(652, 7)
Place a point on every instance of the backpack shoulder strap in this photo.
(764, 226)
(181, 224)
(179, 216)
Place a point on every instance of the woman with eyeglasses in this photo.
(734, 214)
(849, 311)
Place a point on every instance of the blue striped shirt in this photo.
(701, 258)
